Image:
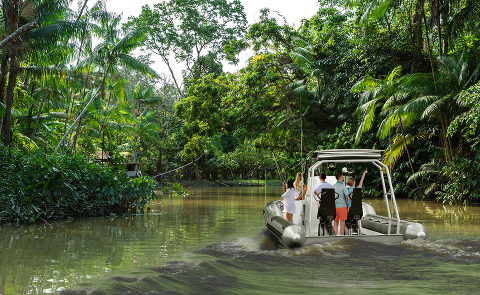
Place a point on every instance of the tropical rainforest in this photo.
(77, 85)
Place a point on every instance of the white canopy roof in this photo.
(348, 155)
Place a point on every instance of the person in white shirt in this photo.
(318, 188)
(289, 201)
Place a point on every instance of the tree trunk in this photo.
(12, 77)
(197, 172)
(420, 191)
(3, 81)
(438, 23)
(84, 110)
(23, 29)
(81, 11)
(29, 120)
(37, 120)
(76, 134)
(389, 34)
(417, 19)
(429, 48)
(165, 60)
(66, 116)
(3, 75)
(158, 167)
(79, 108)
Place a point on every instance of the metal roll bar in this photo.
(348, 156)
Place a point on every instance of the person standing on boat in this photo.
(300, 187)
(289, 201)
(341, 193)
(323, 184)
(351, 184)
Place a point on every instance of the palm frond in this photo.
(128, 42)
(136, 65)
(395, 151)
(368, 116)
(301, 59)
(376, 10)
(433, 108)
(418, 105)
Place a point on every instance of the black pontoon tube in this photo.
(289, 234)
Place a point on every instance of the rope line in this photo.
(177, 168)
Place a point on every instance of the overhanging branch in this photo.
(22, 30)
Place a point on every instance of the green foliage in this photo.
(464, 175)
(468, 121)
(195, 31)
(40, 186)
(354, 67)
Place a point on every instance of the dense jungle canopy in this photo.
(402, 76)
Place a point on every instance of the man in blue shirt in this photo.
(341, 193)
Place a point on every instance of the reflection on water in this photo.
(204, 243)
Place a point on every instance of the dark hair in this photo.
(290, 183)
(337, 176)
(323, 176)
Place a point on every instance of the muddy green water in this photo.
(205, 244)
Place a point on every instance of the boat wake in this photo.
(244, 266)
(266, 243)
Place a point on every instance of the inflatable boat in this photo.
(313, 224)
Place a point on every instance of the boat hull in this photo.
(374, 228)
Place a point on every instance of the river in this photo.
(204, 243)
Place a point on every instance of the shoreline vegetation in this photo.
(39, 187)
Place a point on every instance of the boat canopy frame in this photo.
(350, 156)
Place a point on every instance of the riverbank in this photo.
(229, 183)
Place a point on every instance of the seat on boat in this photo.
(327, 212)
(355, 213)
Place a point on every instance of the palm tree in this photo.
(53, 30)
(144, 96)
(113, 52)
(427, 103)
(384, 93)
(144, 129)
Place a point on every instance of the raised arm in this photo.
(360, 184)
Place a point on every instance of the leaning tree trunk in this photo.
(37, 120)
(74, 144)
(12, 77)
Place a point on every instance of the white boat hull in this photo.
(374, 228)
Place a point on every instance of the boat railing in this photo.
(309, 202)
